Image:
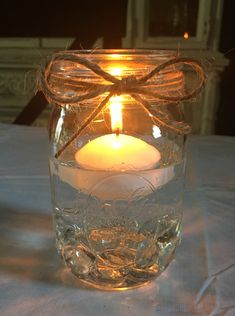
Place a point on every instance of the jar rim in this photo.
(124, 52)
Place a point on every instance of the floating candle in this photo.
(119, 153)
(116, 166)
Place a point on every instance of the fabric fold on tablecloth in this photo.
(217, 294)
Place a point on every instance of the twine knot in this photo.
(124, 85)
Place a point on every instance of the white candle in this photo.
(117, 153)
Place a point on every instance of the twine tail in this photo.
(161, 118)
(90, 118)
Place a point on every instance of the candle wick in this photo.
(117, 132)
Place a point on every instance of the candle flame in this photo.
(116, 72)
(115, 108)
(186, 35)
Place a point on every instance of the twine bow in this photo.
(135, 87)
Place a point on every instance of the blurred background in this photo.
(30, 31)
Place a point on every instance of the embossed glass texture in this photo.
(117, 228)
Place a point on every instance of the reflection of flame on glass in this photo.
(156, 131)
(116, 71)
(115, 56)
(186, 35)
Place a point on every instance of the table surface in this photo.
(33, 281)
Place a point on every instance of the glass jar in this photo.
(117, 179)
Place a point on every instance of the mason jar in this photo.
(117, 170)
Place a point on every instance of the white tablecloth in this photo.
(33, 281)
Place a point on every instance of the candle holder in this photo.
(117, 161)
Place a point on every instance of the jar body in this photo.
(117, 224)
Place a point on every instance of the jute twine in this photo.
(135, 87)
